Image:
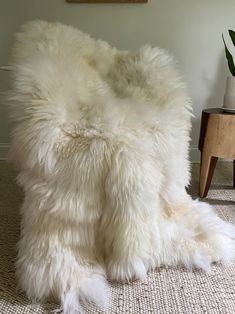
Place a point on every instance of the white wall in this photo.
(190, 30)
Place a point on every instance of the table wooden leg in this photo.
(234, 173)
(208, 164)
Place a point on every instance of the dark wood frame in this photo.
(107, 1)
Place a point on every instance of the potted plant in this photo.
(229, 96)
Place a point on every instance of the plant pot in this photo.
(229, 96)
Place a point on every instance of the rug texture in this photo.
(164, 291)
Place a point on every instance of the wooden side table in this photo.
(217, 139)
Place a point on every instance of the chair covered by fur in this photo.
(101, 139)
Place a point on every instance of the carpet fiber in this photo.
(164, 291)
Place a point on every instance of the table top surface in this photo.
(217, 111)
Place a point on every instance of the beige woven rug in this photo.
(165, 291)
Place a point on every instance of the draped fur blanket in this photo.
(101, 139)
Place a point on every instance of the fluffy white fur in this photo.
(101, 140)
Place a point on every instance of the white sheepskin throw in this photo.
(101, 139)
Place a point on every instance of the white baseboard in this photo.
(4, 148)
(194, 152)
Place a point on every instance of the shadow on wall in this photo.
(215, 88)
(4, 126)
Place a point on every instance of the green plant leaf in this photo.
(232, 36)
(229, 58)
